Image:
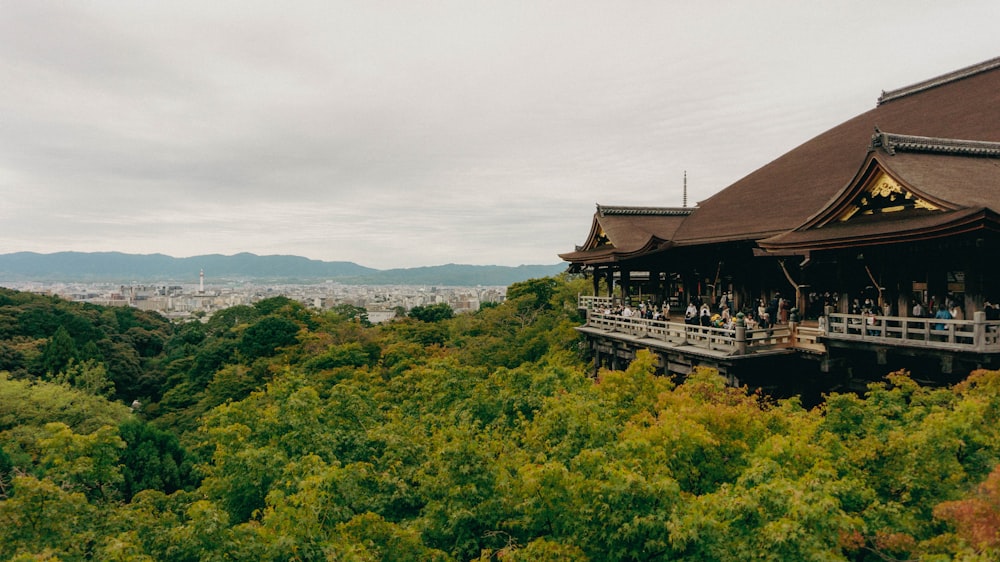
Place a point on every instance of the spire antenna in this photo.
(685, 202)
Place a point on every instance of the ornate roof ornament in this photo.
(892, 143)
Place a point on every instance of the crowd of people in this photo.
(698, 313)
(764, 314)
(646, 310)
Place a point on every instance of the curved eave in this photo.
(938, 225)
(609, 255)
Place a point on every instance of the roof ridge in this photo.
(938, 81)
(893, 142)
(643, 210)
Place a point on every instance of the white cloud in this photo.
(400, 134)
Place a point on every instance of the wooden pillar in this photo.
(654, 286)
(904, 304)
(974, 288)
(937, 288)
(610, 279)
(626, 289)
(597, 283)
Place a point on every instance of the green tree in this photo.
(27, 404)
(152, 459)
(60, 350)
(539, 292)
(350, 312)
(231, 318)
(41, 519)
(432, 312)
(263, 338)
(84, 463)
(89, 376)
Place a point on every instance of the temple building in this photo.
(848, 231)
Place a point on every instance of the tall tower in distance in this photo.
(201, 282)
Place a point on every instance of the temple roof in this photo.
(939, 187)
(621, 232)
(936, 174)
(782, 195)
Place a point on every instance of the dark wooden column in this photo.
(937, 287)
(974, 288)
(657, 289)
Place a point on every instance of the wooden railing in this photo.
(976, 335)
(739, 341)
(807, 338)
(598, 304)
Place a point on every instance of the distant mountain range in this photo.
(124, 268)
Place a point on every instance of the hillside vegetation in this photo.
(273, 432)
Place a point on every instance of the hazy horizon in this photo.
(403, 134)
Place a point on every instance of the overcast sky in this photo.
(410, 133)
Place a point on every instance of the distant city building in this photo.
(179, 302)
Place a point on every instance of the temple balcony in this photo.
(949, 346)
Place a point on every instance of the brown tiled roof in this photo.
(630, 231)
(933, 170)
(782, 195)
(938, 81)
(961, 178)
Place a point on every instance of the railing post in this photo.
(979, 330)
(793, 326)
(741, 334)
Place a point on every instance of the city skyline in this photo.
(399, 135)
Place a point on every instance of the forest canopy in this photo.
(277, 432)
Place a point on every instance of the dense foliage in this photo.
(273, 432)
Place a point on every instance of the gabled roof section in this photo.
(908, 188)
(936, 175)
(875, 190)
(938, 81)
(623, 232)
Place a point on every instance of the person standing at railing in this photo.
(705, 317)
(765, 321)
(991, 310)
(773, 308)
(691, 314)
(941, 314)
(956, 311)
